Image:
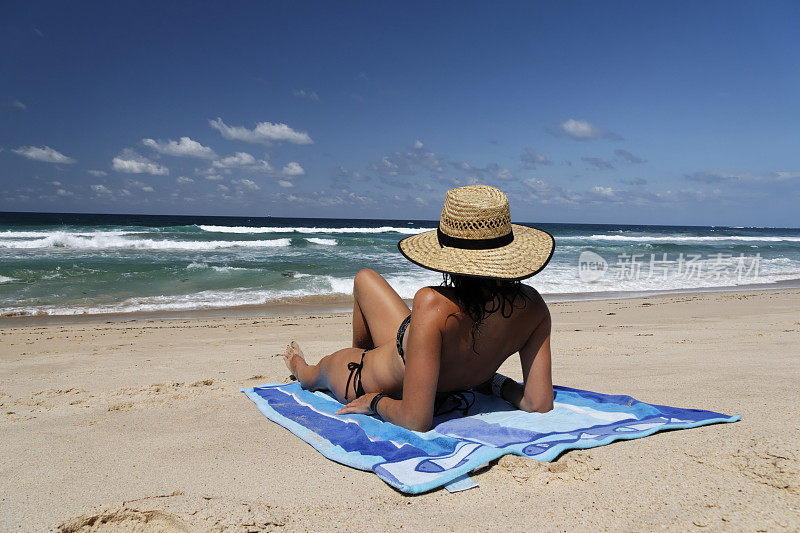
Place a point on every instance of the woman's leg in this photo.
(377, 313)
(330, 373)
(377, 310)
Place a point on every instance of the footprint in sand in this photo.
(159, 393)
(770, 463)
(572, 466)
(125, 520)
(177, 513)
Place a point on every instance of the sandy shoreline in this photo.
(336, 304)
(143, 421)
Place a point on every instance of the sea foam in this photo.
(300, 229)
(678, 238)
(325, 242)
(104, 242)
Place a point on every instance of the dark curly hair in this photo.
(481, 297)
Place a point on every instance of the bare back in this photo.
(465, 363)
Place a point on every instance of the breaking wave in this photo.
(325, 242)
(106, 242)
(300, 229)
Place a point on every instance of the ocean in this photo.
(68, 264)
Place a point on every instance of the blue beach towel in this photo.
(415, 462)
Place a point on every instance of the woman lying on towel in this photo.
(456, 336)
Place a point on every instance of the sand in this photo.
(139, 425)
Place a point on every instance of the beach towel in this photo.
(459, 442)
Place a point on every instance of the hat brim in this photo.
(525, 256)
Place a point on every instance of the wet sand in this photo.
(139, 425)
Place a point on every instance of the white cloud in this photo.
(56, 183)
(64, 192)
(531, 158)
(130, 162)
(44, 154)
(285, 183)
(209, 173)
(264, 133)
(603, 191)
(347, 175)
(741, 177)
(326, 198)
(101, 189)
(783, 176)
(139, 185)
(306, 93)
(408, 163)
(293, 169)
(386, 166)
(581, 130)
(184, 179)
(491, 171)
(185, 147)
(450, 181)
(499, 173)
(223, 188)
(548, 193)
(247, 184)
(18, 105)
(98, 173)
(241, 159)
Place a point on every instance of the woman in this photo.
(457, 335)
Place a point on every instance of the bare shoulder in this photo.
(434, 301)
(532, 294)
(534, 300)
(428, 297)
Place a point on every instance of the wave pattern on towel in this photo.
(416, 462)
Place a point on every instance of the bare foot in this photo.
(293, 357)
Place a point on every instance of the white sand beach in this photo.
(139, 425)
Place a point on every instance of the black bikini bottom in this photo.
(356, 368)
(355, 376)
(446, 402)
(401, 331)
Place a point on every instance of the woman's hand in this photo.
(360, 405)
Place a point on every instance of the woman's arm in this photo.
(536, 395)
(415, 410)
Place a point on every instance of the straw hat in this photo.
(476, 238)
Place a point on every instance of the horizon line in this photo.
(269, 217)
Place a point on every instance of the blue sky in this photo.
(607, 112)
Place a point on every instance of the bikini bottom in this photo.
(355, 376)
(446, 402)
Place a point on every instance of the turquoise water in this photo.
(72, 264)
